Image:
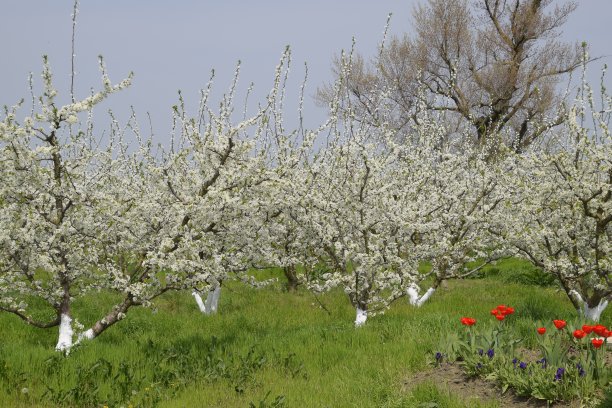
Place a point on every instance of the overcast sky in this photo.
(173, 45)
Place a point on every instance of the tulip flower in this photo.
(587, 329)
(597, 343)
(468, 321)
(579, 334)
(541, 330)
(559, 324)
(600, 329)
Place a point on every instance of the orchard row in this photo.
(354, 204)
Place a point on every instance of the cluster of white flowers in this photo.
(562, 203)
(345, 205)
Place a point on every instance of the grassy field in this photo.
(266, 347)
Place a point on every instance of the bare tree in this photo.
(486, 65)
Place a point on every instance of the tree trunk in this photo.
(64, 342)
(590, 309)
(594, 312)
(361, 316)
(111, 318)
(212, 300)
(292, 280)
(413, 293)
(199, 301)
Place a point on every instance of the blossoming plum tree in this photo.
(77, 219)
(459, 205)
(357, 213)
(54, 215)
(563, 204)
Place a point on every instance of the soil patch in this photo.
(450, 377)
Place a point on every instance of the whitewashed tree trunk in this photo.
(212, 301)
(362, 316)
(413, 295)
(64, 342)
(199, 301)
(590, 313)
(86, 335)
(595, 312)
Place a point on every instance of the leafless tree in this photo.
(486, 65)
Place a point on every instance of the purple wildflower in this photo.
(522, 365)
(490, 353)
(559, 375)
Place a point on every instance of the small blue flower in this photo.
(522, 365)
(480, 352)
(490, 353)
(438, 356)
(514, 361)
(559, 375)
(478, 366)
(542, 361)
(581, 371)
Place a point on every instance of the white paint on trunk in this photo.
(426, 296)
(64, 342)
(199, 301)
(208, 304)
(413, 294)
(415, 299)
(576, 296)
(86, 335)
(594, 313)
(362, 316)
(214, 296)
(212, 301)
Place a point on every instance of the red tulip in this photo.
(608, 333)
(579, 334)
(587, 329)
(500, 317)
(597, 343)
(494, 312)
(600, 329)
(502, 308)
(468, 321)
(508, 311)
(541, 330)
(559, 324)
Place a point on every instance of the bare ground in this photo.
(450, 377)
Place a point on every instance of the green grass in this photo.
(265, 346)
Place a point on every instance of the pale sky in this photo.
(173, 45)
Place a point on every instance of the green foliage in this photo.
(607, 400)
(520, 271)
(565, 368)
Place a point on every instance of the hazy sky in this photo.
(173, 45)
